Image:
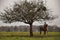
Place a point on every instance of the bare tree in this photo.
(26, 12)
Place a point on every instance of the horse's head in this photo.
(45, 25)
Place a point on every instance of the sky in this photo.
(51, 4)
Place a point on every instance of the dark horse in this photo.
(44, 28)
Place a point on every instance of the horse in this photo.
(44, 28)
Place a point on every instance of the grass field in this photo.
(26, 36)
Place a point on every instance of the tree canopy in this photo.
(26, 12)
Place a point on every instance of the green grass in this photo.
(26, 36)
(29, 38)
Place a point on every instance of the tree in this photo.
(26, 12)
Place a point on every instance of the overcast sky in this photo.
(52, 4)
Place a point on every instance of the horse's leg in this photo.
(44, 32)
(40, 31)
(47, 31)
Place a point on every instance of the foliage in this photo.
(26, 12)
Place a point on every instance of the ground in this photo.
(25, 36)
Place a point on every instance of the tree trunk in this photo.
(31, 32)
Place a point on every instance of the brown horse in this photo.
(44, 28)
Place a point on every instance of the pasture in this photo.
(26, 36)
